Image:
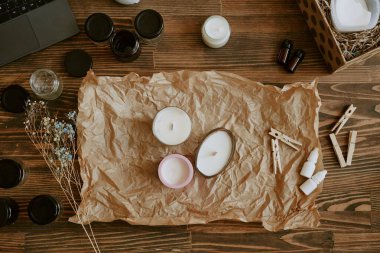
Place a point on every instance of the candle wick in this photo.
(214, 153)
(172, 127)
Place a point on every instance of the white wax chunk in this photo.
(308, 169)
(175, 171)
(353, 13)
(311, 184)
(319, 177)
(313, 157)
(308, 186)
(216, 31)
(172, 126)
(214, 153)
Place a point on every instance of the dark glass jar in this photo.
(295, 61)
(149, 26)
(8, 211)
(284, 53)
(125, 45)
(12, 173)
(44, 209)
(99, 28)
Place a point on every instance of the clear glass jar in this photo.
(44, 209)
(46, 84)
(12, 173)
(149, 26)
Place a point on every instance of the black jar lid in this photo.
(8, 211)
(13, 98)
(99, 27)
(43, 209)
(5, 212)
(78, 62)
(11, 173)
(149, 24)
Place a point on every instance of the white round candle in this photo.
(215, 152)
(216, 31)
(172, 126)
(175, 171)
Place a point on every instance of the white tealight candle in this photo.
(215, 152)
(172, 126)
(216, 31)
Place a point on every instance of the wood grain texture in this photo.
(350, 202)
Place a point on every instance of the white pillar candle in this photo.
(216, 31)
(172, 126)
(215, 152)
(175, 171)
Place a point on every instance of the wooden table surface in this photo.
(350, 201)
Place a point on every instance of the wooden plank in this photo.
(11, 242)
(356, 242)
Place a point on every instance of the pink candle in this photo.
(175, 171)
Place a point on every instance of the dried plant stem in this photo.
(56, 142)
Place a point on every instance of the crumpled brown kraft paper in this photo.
(119, 155)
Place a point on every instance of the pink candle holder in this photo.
(175, 171)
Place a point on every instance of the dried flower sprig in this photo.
(56, 141)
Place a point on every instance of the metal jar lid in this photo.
(77, 63)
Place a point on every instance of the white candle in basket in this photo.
(216, 31)
(172, 126)
(215, 152)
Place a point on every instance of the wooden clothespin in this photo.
(338, 151)
(276, 156)
(343, 119)
(285, 139)
(351, 146)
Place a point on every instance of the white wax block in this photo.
(172, 126)
(214, 153)
(353, 13)
(313, 157)
(319, 177)
(308, 169)
(175, 171)
(308, 186)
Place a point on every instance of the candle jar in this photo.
(172, 126)
(46, 84)
(12, 173)
(149, 26)
(216, 31)
(44, 209)
(175, 171)
(14, 98)
(125, 45)
(99, 28)
(9, 211)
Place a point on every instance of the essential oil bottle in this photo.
(284, 53)
(295, 61)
